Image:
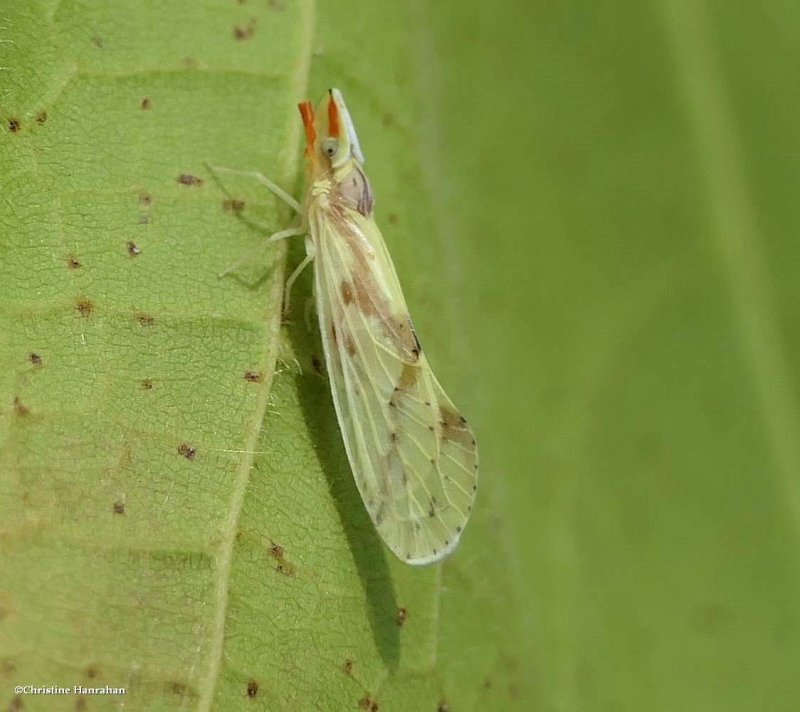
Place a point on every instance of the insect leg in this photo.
(287, 290)
(280, 235)
(261, 178)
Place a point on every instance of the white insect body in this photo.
(413, 456)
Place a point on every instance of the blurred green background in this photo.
(592, 212)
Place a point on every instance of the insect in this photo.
(413, 456)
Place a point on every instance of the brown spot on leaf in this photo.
(146, 104)
(91, 671)
(16, 704)
(316, 364)
(133, 249)
(401, 617)
(119, 507)
(442, 707)
(392, 218)
(187, 451)
(73, 263)
(189, 179)
(233, 206)
(253, 377)
(146, 384)
(14, 125)
(97, 41)
(145, 200)
(252, 689)
(347, 666)
(7, 666)
(283, 566)
(41, 117)
(20, 408)
(35, 358)
(368, 704)
(85, 308)
(145, 319)
(244, 32)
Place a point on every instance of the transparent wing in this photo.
(413, 456)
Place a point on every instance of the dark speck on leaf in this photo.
(35, 359)
(252, 689)
(19, 407)
(41, 117)
(85, 308)
(233, 206)
(187, 451)
(119, 507)
(14, 125)
(188, 179)
(253, 377)
(133, 249)
(146, 384)
(244, 32)
(146, 103)
(73, 263)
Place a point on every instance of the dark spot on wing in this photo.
(350, 345)
(252, 689)
(188, 179)
(432, 507)
(133, 249)
(187, 451)
(146, 104)
(119, 507)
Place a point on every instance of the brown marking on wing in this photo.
(350, 345)
(347, 293)
(454, 427)
(408, 377)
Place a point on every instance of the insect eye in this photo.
(330, 146)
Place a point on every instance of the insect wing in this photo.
(413, 456)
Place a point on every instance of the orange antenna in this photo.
(333, 119)
(307, 112)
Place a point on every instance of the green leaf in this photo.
(177, 515)
(592, 210)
